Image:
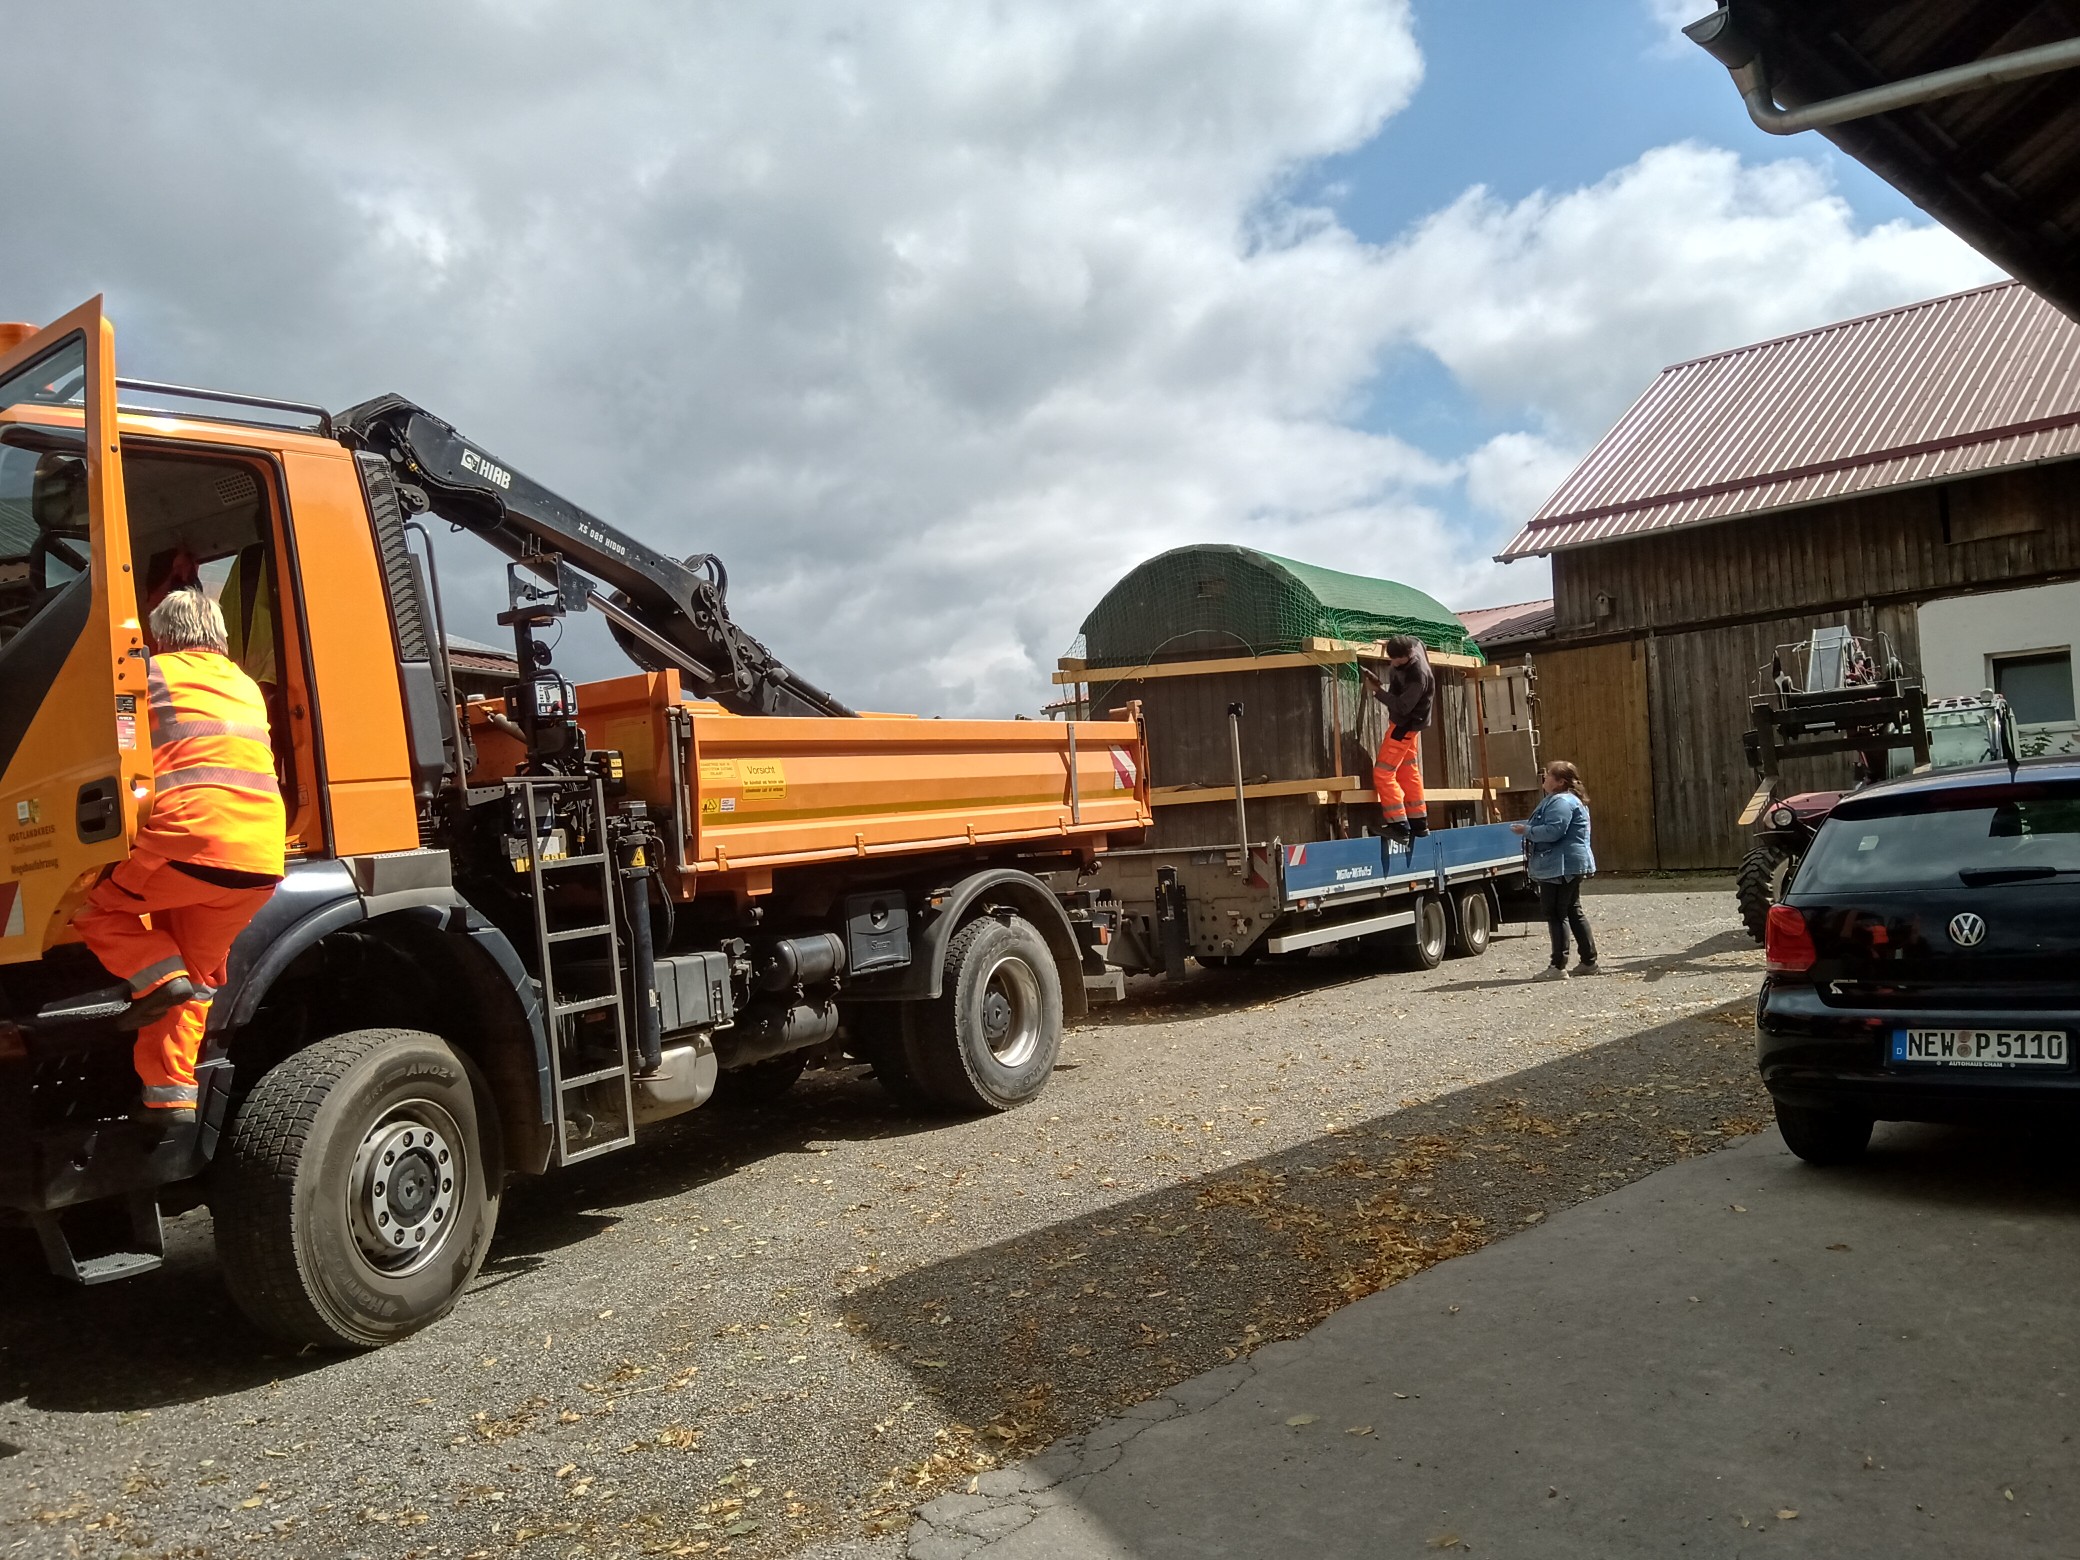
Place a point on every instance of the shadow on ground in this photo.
(72, 1350)
(1047, 1333)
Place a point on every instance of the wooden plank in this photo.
(1442, 794)
(1185, 795)
(1318, 652)
(1241, 663)
(1376, 650)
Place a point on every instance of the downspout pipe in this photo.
(1721, 37)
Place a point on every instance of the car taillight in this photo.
(1787, 942)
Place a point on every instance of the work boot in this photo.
(159, 1001)
(168, 1116)
(1418, 827)
(1395, 834)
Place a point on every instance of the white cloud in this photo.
(1672, 16)
(1513, 473)
(930, 319)
(1566, 305)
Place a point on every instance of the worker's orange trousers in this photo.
(1397, 778)
(148, 922)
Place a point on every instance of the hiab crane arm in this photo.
(662, 612)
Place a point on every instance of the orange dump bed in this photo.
(765, 792)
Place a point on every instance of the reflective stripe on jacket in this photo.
(215, 799)
(1559, 836)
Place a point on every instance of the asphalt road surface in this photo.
(767, 1331)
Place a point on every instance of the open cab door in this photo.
(75, 746)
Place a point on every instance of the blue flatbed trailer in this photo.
(1221, 905)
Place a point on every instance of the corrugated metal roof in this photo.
(1502, 625)
(1967, 383)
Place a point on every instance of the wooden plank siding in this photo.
(1592, 711)
(1882, 546)
(1684, 619)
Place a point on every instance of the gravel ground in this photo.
(768, 1331)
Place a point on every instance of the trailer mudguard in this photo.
(948, 908)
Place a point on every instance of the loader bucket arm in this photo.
(661, 611)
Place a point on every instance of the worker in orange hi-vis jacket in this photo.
(206, 858)
(1397, 773)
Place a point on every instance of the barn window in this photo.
(2039, 688)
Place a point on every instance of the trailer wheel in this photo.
(1760, 883)
(1473, 923)
(357, 1188)
(989, 1040)
(1424, 948)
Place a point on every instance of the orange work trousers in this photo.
(1397, 778)
(147, 922)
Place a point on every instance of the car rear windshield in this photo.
(1940, 842)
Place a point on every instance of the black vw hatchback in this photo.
(1926, 963)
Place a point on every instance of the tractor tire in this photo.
(357, 1188)
(988, 1042)
(1759, 883)
(1823, 1137)
(1473, 923)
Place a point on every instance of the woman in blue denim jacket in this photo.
(1558, 832)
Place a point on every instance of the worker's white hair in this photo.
(186, 619)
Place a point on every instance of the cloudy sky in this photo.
(933, 318)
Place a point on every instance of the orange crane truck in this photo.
(514, 933)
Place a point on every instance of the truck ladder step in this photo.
(601, 1076)
(570, 861)
(577, 932)
(106, 1003)
(590, 1004)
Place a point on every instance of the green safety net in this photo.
(1199, 602)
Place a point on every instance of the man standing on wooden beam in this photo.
(1397, 773)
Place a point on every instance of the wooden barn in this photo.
(1198, 630)
(1909, 473)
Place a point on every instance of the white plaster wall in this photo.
(1960, 633)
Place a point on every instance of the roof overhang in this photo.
(1997, 162)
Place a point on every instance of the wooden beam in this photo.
(1314, 652)
(1376, 650)
(1108, 675)
(1438, 794)
(1183, 795)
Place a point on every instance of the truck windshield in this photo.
(2031, 839)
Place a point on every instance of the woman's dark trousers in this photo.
(1561, 899)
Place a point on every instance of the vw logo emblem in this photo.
(1967, 930)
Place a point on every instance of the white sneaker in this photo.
(1551, 972)
(1588, 967)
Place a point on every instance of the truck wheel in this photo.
(762, 1083)
(1473, 924)
(876, 1033)
(1823, 1137)
(989, 1040)
(1760, 883)
(356, 1191)
(1424, 949)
